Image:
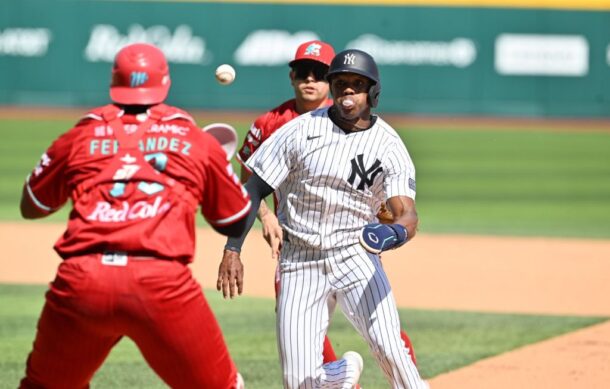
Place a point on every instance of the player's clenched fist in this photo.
(377, 237)
(384, 215)
(230, 274)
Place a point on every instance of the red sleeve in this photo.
(225, 200)
(254, 138)
(264, 126)
(47, 185)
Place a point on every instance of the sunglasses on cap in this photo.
(303, 70)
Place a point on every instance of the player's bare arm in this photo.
(230, 272)
(272, 232)
(378, 237)
(404, 213)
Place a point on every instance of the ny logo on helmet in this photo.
(367, 176)
(138, 78)
(349, 59)
(313, 49)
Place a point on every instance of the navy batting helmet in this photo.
(358, 62)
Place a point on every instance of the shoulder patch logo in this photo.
(411, 183)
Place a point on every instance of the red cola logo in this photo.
(105, 213)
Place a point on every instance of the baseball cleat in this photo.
(355, 361)
(240, 382)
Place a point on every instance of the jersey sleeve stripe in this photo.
(92, 116)
(177, 116)
(36, 202)
(242, 162)
(233, 218)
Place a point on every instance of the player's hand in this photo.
(377, 237)
(273, 234)
(384, 215)
(230, 274)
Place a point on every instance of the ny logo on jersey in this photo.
(138, 78)
(349, 59)
(367, 176)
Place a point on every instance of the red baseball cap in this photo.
(140, 75)
(315, 51)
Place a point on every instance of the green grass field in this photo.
(493, 181)
(443, 340)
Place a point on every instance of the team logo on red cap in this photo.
(313, 49)
(137, 79)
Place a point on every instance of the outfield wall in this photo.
(433, 60)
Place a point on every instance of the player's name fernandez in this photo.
(150, 144)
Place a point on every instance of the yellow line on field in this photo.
(601, 5)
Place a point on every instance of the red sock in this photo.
(409, 345)
(329, 355)
(327, 352)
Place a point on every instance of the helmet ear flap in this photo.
(374, 92)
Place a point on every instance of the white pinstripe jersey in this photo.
(329, 184)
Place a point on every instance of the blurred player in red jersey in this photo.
(307, 76)
(136, 172)
(307, 72)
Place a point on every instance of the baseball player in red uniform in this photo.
(135, 172)
(307, 75)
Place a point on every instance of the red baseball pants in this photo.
(156, 303)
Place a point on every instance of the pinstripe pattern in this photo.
(357, 281)
(329, 185)
(308, 163)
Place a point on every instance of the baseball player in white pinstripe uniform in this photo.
(330, 170)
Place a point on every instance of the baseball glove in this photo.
(384, 215)
(226, 135)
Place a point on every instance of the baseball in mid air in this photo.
(225, 74)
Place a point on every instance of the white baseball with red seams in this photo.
(225, 74)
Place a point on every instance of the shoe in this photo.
(240, 382)
(354, 359)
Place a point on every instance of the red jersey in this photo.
(120, 203)
(265, 125)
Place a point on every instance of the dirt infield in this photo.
(518, 275)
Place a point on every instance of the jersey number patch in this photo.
(157, 160)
